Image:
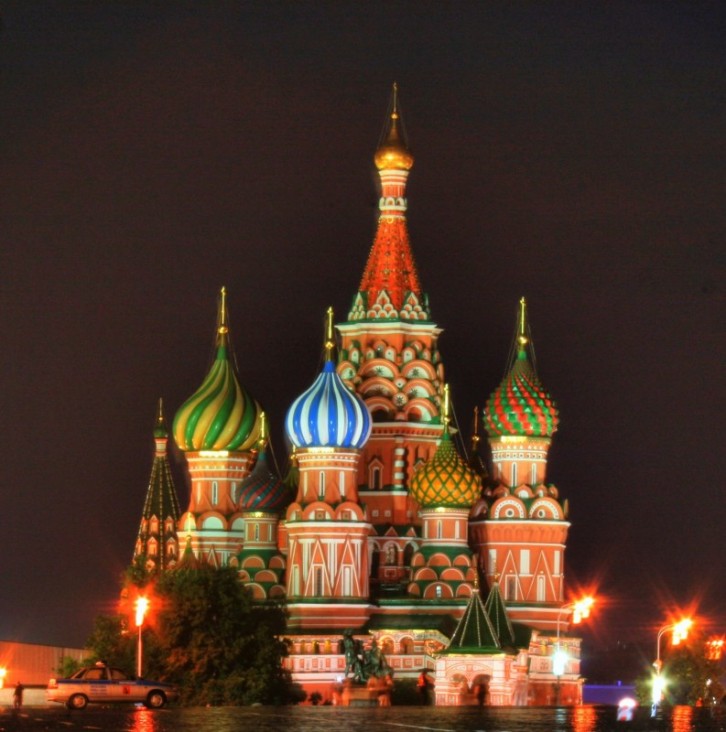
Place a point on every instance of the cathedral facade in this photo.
(380, 526)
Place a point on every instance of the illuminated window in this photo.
(541, 588)
(492, 561)
(439, 530)
(524, 561)
(439, 591)
(215, 493)
(534, 474)
(514, 474)
(256, 533)
(341, 478)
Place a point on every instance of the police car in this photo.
(103, 684)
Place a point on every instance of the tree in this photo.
(214, 642)
(690, 677)
(111, 643)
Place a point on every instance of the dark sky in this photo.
(570, 152)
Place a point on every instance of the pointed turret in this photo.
(520, 418)
(326, 526)
(217, 429)
(390, 287)
(157, 538)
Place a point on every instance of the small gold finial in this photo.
(475, 431)
(329, 341)
(222, 328)
(394, 113)
(160, 413)
(522, 336)
(447, 406)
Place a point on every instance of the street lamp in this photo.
(580, 610)
(142, 605)
(680, 632)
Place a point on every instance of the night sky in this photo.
(152, 152)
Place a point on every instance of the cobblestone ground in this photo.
(336, 719)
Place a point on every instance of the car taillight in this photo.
(52, 684)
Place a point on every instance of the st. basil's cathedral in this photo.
(380, 526)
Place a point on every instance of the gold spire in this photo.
(447, 407)
(393, 154)
(522, 339)
(160, 414)
(222, 328)
(262, 442)
(329, 341)
(475, 432)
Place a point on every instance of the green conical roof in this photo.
(497, 612)
(475, 632)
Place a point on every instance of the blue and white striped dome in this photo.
(328, 415)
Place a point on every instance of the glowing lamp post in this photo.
(142, 605)
(680, 633)
(580, 610)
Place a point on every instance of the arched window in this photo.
(215, 493)
(514, 474)
(541, 594)
(534, 474)
(321, 485)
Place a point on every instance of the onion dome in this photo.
(220, 415)
(445, 480)
(262, 490)
(520, 406)
(393, 154)
(328, 414)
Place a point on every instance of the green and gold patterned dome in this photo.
(220, 415)
(445, 480)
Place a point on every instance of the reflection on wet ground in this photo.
(335, 719)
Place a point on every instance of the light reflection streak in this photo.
(584, 719)
(145, 721)
(682, 719)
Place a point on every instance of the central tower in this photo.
(389, 356)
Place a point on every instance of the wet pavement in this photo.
(338, 719)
